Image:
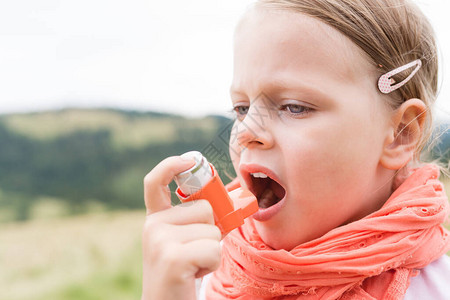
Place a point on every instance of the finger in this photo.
(193, 232)
(198, 211)
(159, 234)
(205, 255)
(155, 182)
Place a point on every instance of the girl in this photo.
(332, 102)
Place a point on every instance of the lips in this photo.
(264, 184)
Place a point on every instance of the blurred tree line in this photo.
(85, 166)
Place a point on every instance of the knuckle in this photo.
(217, 249)
(206, 209)
(217, 233)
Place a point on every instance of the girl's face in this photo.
(310, 118)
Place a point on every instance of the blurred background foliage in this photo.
(71, 195)
(88, 159)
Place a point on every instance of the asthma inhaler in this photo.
(192, 180)
(203, 182)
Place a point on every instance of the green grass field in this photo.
(91, 257)
(96, 256)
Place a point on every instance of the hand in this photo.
(180, 243)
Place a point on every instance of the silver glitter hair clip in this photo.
(386, 83)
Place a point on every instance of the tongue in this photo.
(267, 199)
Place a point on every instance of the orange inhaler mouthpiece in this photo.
(230, 208)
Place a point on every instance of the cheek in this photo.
(329, 155)
(235, 157)
(235, 152)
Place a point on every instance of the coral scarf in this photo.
(372, 258)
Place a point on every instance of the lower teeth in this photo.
(267, 199)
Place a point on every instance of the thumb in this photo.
(156, 182)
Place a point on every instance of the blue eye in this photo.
(240, 111)
(296, 109)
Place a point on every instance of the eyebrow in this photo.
(278, 85)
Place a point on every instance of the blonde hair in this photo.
(391, 33)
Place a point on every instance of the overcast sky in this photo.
(172, 56)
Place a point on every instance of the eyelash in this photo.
(237, 110)
(287, 108)
(304, 109)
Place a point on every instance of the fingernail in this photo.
(187, 160)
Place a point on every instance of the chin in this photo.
(280, 244)
(274, 237)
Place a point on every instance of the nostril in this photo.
(250, 128)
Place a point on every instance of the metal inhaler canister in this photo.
(192, 180)
(203, 182)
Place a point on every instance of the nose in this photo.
(254, 130)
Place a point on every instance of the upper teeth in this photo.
(259, 175)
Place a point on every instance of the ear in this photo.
(404, 134)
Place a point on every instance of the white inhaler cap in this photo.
(192, 180)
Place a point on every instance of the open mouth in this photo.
(266, 190)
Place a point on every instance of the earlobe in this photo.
(404, 135)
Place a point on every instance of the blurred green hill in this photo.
(76, 160)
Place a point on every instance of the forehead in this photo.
(279, 41)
